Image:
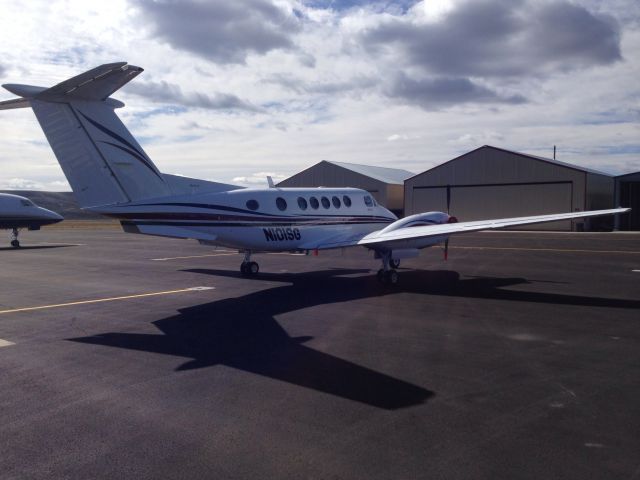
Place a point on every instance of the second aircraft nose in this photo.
(52, 216)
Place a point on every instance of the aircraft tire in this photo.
(15, 243)
(253, 268)
(390, 277)
(394, 263)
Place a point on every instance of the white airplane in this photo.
(18, 212)
(111, 174)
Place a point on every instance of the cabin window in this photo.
(367, 201)
(302, 203)
(346, 200)
(281, 203)
(335, 201)
(325, 202)
(314, 203)
(253, 204)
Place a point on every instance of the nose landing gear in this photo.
(14, 238)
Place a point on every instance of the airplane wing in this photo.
(411, 237)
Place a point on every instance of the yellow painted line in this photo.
(546, 250)
(101, 300)
(222, 254)
(5, 343)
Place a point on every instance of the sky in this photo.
(236, 91)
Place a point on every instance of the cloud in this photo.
(379, 5)
(472, 140)
(258, 179)
(300, 86)
(20, 184)
(437, 93)
(498, 38)
(164, 92)
(2, 70)
(17, 183)
(220, 30)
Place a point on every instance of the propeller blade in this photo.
(448, 197)
(446, 249)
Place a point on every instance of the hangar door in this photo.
(479, 202)
(630, 197)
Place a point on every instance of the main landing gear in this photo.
(387, 274)
(247, 267)
(14, 238)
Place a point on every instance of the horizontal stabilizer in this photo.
(15, 103)
(96, 84)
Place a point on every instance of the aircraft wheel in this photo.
(249, 268)
(15, 243)
(391, 277)
(394, 263)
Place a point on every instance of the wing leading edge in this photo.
(405, 236)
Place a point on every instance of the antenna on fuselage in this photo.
(270, 182)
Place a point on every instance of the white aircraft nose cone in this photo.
(53, 216)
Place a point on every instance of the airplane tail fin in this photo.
(102, 161)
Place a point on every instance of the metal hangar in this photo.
(492, 182)
(627, 194)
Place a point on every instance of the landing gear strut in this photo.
(387, 274)
(247, 267)
(14, 238)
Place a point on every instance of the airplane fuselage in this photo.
(269, 219)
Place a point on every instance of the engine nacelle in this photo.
(420, 220)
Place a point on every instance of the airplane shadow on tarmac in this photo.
(242, 332)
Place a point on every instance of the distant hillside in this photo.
(60, 202)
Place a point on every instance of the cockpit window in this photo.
(367, 201)
(26, 203)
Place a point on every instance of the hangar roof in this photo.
(527, 155)
(383, 174)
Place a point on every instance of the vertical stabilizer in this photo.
(102, 161)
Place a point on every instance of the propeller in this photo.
(448, 198)
(446, 249)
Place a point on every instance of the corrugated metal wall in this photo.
(493, 183)
(628, 195)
